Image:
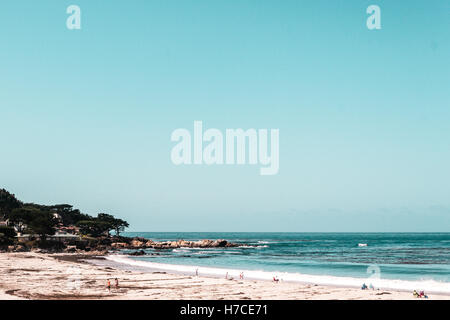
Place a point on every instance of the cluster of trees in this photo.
(7, 202)
(69, 215)
(33, 219)
(41, 219)
(7, 235)
(102, 225)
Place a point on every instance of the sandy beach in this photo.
(69, 276)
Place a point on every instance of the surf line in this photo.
(236, 147)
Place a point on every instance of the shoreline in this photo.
(402, 285)
(75, 276)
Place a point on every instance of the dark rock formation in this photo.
(102, 245)
(141, 243)
(137, 253)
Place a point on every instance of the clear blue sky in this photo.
(86, 115)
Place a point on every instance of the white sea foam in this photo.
(404, 285)
(253, 247)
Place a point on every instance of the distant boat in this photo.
(362, 244)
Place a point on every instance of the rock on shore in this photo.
(141, 243)
(101, 246)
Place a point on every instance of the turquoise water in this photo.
(403, 256)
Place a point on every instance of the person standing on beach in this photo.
(108, 285)
(117, 283)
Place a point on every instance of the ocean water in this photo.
(389, 260)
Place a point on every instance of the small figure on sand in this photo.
(226, 276)
(196, 272)
(241, 276)
(275, 279)
(364, 287)
(116, 283)
(108, 285)
(419, 295)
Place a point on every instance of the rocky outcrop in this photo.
(101, 246)
(141, 243)
(136, 243)
(119, 245)
(71, 249)
(137, 253)
(17, 248)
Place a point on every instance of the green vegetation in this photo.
(118, 225)
(102, 225)
(8, 202)
(69, 216)
(93, 228)
(7, 235)
(44, 221)
(21, 218)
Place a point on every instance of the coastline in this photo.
(73, 276)
(430, 286)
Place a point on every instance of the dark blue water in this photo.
(406, 256)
